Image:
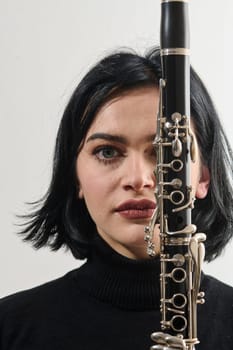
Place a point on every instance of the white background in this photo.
(46, 48)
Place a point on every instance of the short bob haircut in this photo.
(61, 219)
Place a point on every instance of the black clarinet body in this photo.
(176, 104)
(181, 248)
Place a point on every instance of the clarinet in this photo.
(181, 248)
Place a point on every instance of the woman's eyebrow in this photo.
(108, 137)
(116, 138)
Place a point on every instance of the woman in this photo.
(100, 199)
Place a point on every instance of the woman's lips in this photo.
(136, 209)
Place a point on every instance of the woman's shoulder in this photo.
(218, 297)
(36, 298)
(214, 285)
(215, 316)
(29, 319)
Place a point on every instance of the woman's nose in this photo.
(139, 173)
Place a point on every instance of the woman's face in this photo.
(115, 171)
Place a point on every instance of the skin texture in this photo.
(115, 165)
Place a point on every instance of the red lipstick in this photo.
(136, 209)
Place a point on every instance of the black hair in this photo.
(60, 218)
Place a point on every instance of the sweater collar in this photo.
(120, 281)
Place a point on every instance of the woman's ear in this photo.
(203, 184)
(79, 191)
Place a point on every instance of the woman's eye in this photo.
(107, 154)
(151, 152)
(154, 153)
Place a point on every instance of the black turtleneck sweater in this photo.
(109, 303)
